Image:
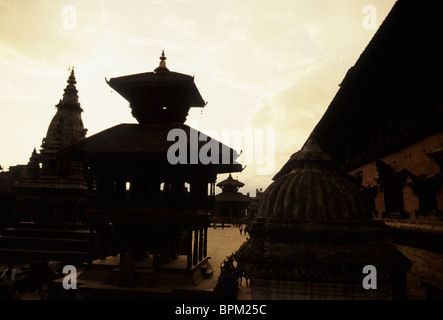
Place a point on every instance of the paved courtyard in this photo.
(222, 243)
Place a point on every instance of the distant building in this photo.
(231, 206)
(253, 206)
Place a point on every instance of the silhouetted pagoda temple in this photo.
(231, 205)
(151, 230)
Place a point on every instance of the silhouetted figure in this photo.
(246, 230)
(229, 286)
(7, 282)
(241, 228)
(239, 275)
(247, 279)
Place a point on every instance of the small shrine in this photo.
(231, 206)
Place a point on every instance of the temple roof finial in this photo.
(71, 79)
(70, 96)
(162, 65)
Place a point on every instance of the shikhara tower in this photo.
(50, 194)
(52, 190)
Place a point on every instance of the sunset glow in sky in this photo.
(260, 65)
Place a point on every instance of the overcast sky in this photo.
(269, 66)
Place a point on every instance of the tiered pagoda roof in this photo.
(230, 193)
(160, 101)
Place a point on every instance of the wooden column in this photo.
(155, 249)
(189, 249)
(200, 246)
(100, 241)
(195, 258)
(205, 243)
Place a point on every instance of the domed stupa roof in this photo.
(315, 190)
(313, 226)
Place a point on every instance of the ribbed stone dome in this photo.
(315, 190)
(313, 235)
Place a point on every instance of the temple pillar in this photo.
(173, 246)
(100, 241)
(200, 247)
(410, 201)
(195, 256)
(205, 242)
(189, 249)
(155, 250)
(379, 202)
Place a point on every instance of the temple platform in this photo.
(170, 282)
(103, 280)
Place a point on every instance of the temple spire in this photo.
(162, 65)
(70, 96)
(71, 79)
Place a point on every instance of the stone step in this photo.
(44, 243)
(62, 255)
(47, 233)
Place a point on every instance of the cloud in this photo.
(180, 26)
(297, 107)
